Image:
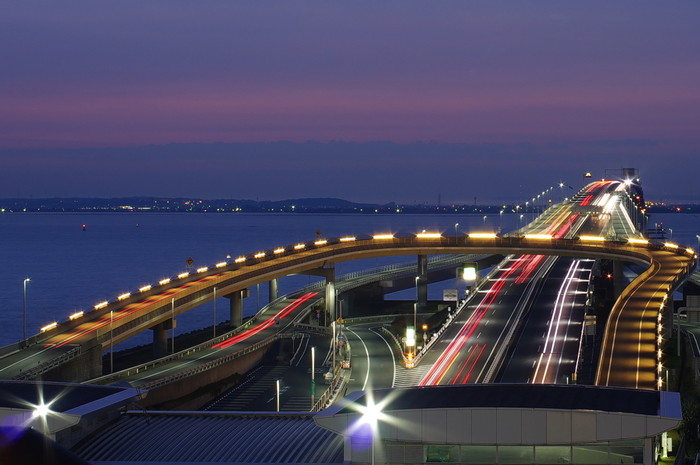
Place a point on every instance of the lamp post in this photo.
(333, 347)
(172, 325)
(313, 364)
(111, 342)
(214, 314)
(277, 392)
(416, 305)
(313, 376)
(457, 269)
(24, 302)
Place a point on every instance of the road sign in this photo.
(450, 295)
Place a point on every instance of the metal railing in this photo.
(48, 365)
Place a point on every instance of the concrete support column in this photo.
(330, 293)
(273, 289)
(160, 337)
(236, 307)
(422, 284)
(618, 278)
(648, 456)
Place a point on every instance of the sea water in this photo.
(75, 260)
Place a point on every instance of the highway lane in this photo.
(471, 351)
(472, 348)
(630, 354)
(100, 325)
(258, 390)
(373, 360)
(546, 350)
(278, 318)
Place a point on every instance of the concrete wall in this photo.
(87, 365)
(173, 395)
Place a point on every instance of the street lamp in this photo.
(214, 314)
(456, 224)
(24, 302)
(111, 342)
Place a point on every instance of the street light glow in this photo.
(538, 236)
(482, 235)
(48, 326)
(592, 238)
(41, 411)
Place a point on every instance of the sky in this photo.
(405, 101)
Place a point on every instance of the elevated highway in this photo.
(668, 267)
(84, 338)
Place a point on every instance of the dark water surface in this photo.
(71, 269)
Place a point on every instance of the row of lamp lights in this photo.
(321, 242)
(659, 343)
(239, 260)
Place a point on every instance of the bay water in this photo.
(75, 260)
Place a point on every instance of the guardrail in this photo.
(458, 309)
(211, 364)
(399, 268)
(338, 382)
(190, 350)
(46, 366)
(313, 328)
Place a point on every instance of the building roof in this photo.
(534, 396)
(62, 397)
(202, 437)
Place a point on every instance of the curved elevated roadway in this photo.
(669, 266)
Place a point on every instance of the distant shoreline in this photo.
(290, 206)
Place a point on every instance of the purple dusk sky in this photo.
(178, 98)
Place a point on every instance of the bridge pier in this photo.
(273, 289)
(422, 284)
(160, 337)
(618, 278)
(330, 295)
(327, 272)
(236, 307)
